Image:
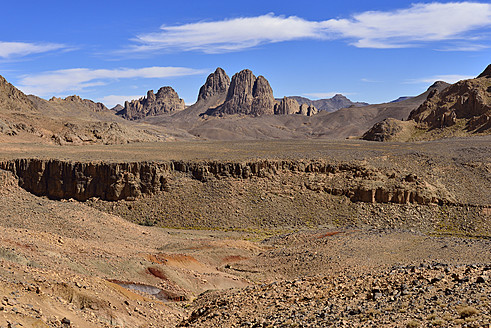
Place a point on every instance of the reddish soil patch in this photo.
(177, 259)
(329, 234)
(157, 273)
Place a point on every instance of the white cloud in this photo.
(400, 28)
(229, 35)
(451, 78)
(20, 49)
(323, 95)
(77, 79)
(112, 100)
(419, 23)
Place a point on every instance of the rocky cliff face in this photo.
(289, 106)
(247, 95)
(217, 83)
(12, 99)
(286, 106)
(76, 100)
(165, 101)
(115, 181)
(468, 101)
(307, 110)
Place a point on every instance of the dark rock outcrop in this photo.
(217, 83)
(486, 73)
(165, 101)
(467, 100)
(89, 104)
(247, 95)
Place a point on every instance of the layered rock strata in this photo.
(115, 181)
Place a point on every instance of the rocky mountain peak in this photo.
(247, 95)
(12, 98)
(466, 100)
(166, 100)
(217, 83)
(486, 73)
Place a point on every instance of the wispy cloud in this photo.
(369, 80)
(451, 78)
(112, 100)
(323, 95)
(10, 50)
(409, 27)
(77, 79)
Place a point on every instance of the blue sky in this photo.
(372, 51)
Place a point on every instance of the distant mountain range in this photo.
(243, 108)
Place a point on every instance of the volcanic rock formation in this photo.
(247, 95)
(165, 101)
(216, 83)
(468, 101)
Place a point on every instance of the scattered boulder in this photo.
(165, 101)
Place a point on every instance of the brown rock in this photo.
(89, 104)
(165, 101)
(217, 83)
(468, 100)
(12, 99)
(247, 95)
(286, 106)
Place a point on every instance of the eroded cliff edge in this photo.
(60, 179)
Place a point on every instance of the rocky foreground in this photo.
(284, 234)
(423, 295)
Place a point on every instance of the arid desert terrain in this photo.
(246, 211)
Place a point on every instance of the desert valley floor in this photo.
(297, 233)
